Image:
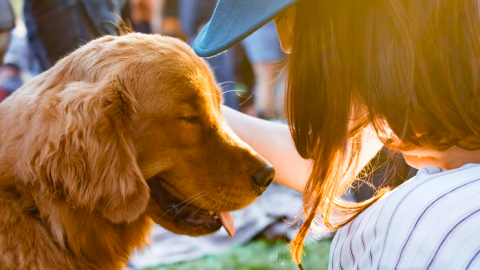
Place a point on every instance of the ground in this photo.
(258, 255)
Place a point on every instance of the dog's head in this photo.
(196, 168)
(131, 124)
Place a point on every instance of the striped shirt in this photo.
(432, 221)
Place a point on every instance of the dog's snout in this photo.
(264, 177)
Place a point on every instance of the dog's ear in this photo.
(93, 156)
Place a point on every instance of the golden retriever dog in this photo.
(122, 131)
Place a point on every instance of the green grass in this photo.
(257, 255)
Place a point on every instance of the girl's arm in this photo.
(274, 142)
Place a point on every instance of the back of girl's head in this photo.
(410, 67)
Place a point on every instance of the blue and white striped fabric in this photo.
(432, 221)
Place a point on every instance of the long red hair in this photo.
(404, 66)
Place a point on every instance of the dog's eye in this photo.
(189, 118)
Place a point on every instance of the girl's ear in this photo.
(92, 154)
(285, 22)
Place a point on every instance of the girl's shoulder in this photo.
(431, 186)
(430, 220)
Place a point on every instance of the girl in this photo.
(401, 72)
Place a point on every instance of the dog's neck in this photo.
(86, 238)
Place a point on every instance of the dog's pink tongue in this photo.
(228, 223)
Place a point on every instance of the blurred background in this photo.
(34, 34)
(250, 74)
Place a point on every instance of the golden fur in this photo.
(80, 142)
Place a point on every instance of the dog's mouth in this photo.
(176, 209)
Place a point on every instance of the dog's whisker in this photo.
(189, 204)
(238, 91)
(189, 199)
(234, 90)
(219, 201)
(210, 211)
(183, 206)
(226, 82)
(192, 198)
(222, 200)
(186, 200)
(202, 207)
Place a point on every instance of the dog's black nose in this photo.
(264, 177)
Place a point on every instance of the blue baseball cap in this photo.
(234, 20)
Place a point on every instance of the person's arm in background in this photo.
(274, 142)
(157, 16)
(7, 23)
(4, 41)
